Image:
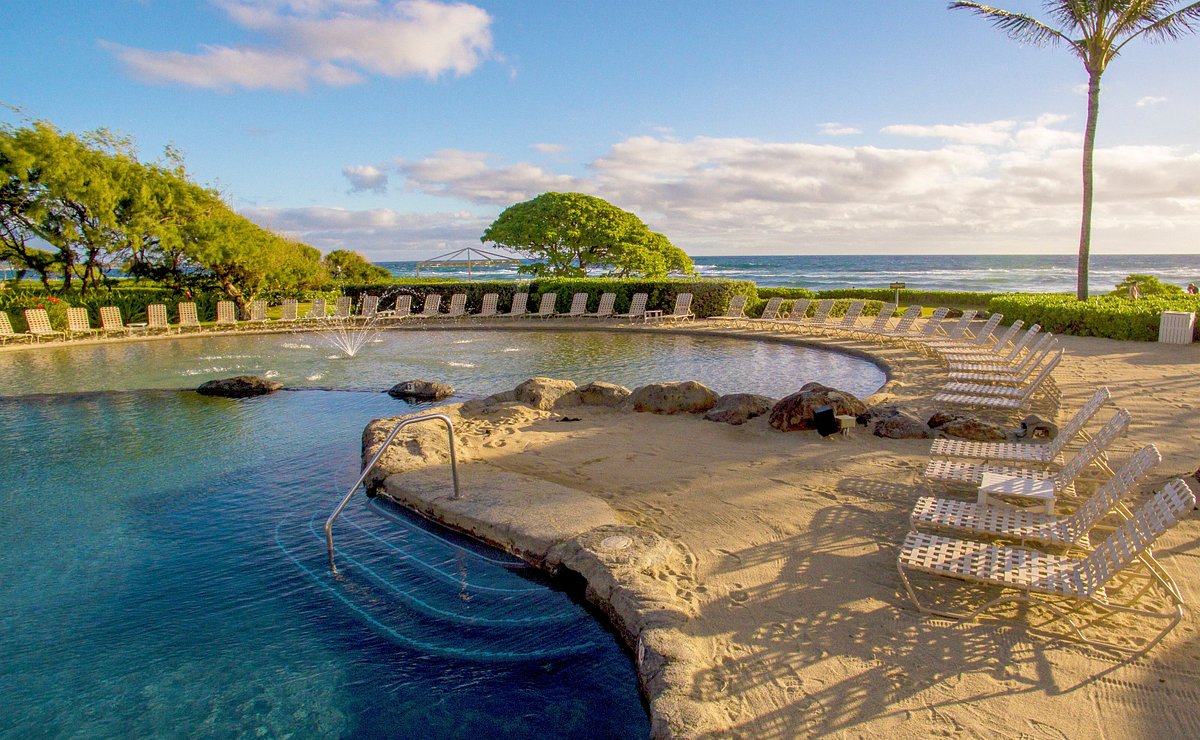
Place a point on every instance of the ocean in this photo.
(988, 273)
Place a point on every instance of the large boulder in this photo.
(901, 426)
(420, 390)
(795, 413)
(596, 393)
(965, 426)
(738, 408)
(241, 386)
(542, 393)
(681, 397)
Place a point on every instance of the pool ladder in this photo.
(371, 465)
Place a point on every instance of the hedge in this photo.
(909, 297)
(1100, 316)
(709, 297)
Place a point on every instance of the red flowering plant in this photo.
(16, 304)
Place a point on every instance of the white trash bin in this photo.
(1176, 327)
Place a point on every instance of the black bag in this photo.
(826, 421)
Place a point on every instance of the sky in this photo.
(402, 128)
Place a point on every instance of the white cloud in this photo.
(995, 133)
(1149, 100)
(548, 148)
(381, 234)
(328, 42)
(837, 129)
(999, 185)
(366, 178)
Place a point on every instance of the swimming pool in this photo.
(163, 572)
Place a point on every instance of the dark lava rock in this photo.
(242, 386)
(738, 408)
(901, 426)
(964, 426)
(420, 390)
(795, 413)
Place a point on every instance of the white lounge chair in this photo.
(317, 312)
(736, 312)
(1030, 453)
(432, 308)
(7, 334)
(637, 307)
(578, 306)
(258, 315)
(78, 322)
(111, 323)
(402, 309)
(978, 340)
(771, 312)
(288, 311)
(369, 308)
(1011, 386)
(681, 312)
(547, 306)
(878, 324)
(1027, 525)
(457, 308)
(1057, 485)
(487, 309)
(984, 357)
(226, 315)
(188, 317)
(818, 319)
(605, 309)
(849, 320)
(520, 304)
(39, 324)
(342, 308)
(156, 318)
(972, 371)
(981, 401)
(1119, 576)
(906, 325)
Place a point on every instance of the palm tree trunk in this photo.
(1089, 145)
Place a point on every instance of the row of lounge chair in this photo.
(1057, 562)
(547, 308)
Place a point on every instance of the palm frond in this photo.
(1016, 26)
(1175, 26)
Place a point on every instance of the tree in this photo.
(1102, 28)
(1147, 285)
(352, 267)
(570, 233)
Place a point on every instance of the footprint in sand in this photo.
(738, 595)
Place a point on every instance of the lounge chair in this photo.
(520, 304)
(317, 311)
(369, 308)
(978, 340)
(401, 310)
(976, 371)
(1010, 386)
(432, 308)
(188, 318)
(906, 324)
(288, 311)
(1068, 586)
(1030, 453)
(605, 309)
(39, 324)
(8, 335)
(1027, 525)
(736, 312)
(878, 324)
(962, 327)
(682, 311)
(999, 358)
(226, 315)
(819, 317)
(578, 306)
(1054, 485)
(977, 400)
(457, 308)
(111, 323)
(547, 306)
(156, 318)
(78, 322)
(637, 308)
(488, 309)
(258, 314)
(848, 321)
(342, 308)
(771, 310)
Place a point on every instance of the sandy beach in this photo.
(769, 589)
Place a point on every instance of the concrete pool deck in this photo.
(758, 588)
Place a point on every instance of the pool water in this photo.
(476, 362)
(163, 574)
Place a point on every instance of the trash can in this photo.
(1176, 327)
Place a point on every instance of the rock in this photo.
(420, 390)
(795, 413)
(542, 393)
(596, 393)
(738, 408)
(968, 427)
(1034, 426)
(901, 426)
(686, 397)
(242, 386)
(941, 417)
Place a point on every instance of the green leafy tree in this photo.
(1147, 285)
(570, 233)
(352, 267)
(1095, 31)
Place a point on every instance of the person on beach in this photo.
(1191, 289)
(1134, 293)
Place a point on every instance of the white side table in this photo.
(993, 484)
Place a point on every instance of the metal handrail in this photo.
(371, 465)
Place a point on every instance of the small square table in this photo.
(994, 484)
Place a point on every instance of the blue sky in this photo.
(401, 129)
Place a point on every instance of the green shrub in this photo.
(1113, 317)
(790, 293)
(1148, 285)
(909, 297)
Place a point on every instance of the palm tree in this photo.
(1102, 28)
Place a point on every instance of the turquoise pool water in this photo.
(160, 578)
(161, 563)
